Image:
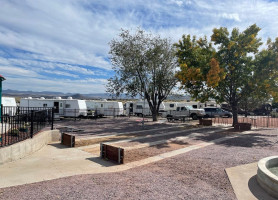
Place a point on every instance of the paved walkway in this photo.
(55, 161)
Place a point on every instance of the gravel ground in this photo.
(110, 125)
(198, 174)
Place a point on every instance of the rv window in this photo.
(182, 108)
(139, 107)
(67, 105)
(101, 105)
(178, 108)
(194, 106)
(44, 105)
(172, 105)
(61, 104)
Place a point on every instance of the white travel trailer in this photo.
(105, 108)
(62, 107)
(9, 106)
(128, 108)
(141, 108)
(170, 105)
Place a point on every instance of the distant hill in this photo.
(49, 94)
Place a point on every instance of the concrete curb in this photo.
(26, 147)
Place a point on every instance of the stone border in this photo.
(267, 180)
(26, 147)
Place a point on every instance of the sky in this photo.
(63, 45)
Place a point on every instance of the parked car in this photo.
(213, 112)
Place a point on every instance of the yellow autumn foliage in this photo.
(215, 74)
(189, 74)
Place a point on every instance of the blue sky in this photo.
(62, 45)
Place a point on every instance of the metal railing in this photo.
(256, 121)
(18, 123)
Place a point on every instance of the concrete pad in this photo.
(51, 162)
(244, 183)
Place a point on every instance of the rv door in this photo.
(56, 107)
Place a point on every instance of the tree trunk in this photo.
(234, 111)
(154, 115)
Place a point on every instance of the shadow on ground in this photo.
(257, 191)
(257, 138)
(102, 162)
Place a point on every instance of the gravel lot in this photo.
(110, 125)
(198, 174)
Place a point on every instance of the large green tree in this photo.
(144, 65)
(225, 72)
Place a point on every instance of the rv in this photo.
(140, 108)
(128, 108)
(9, 106)
(193, 104)
(183, 111)
(62, 107)
(173, 105)
(105, 108)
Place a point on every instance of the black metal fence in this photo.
(256, 121)
(18, 123)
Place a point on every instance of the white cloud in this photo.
(17, 71)
(58, 85)
(232, 16)
(71, 37)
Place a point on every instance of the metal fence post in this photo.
(52, 118)
(32, 124)
(1, 114)
(268, 120)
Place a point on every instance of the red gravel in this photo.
(198, 174)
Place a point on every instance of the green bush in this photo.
(13, 132)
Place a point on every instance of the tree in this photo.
(266, 71)
(226, 70)
(197, 74)
(144, 65)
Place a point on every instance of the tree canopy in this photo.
(229, 67)
(144, 65)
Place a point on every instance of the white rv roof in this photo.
(8, 101)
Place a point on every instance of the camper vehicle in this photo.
(9, 106)
(182, 112)
(140, 108)
(105, 108)
(128, 108)
(174, 105)
(62, 107)
(170, 105)
(193, 104)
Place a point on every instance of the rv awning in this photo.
(2, 78)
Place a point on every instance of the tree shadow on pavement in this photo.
(255, 139)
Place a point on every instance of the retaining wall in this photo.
(28, 146)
